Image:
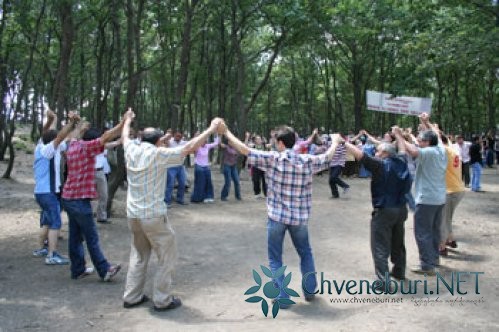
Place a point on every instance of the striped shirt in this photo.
(289, 181)
(339, 156)
(145, 164)
(80, 159)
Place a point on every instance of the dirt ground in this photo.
(219, 245)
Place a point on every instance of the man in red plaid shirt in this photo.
(79, 190)
(289, 176)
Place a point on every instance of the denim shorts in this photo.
(51, 210)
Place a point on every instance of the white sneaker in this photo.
(56, 259)
(209, 200)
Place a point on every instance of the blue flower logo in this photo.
(271, 291)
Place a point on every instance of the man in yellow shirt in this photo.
(455, 193)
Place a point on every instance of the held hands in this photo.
(424, 117)
(396, 130)
(51, 114)
(72, 117)
(337, 139)
(129, 115)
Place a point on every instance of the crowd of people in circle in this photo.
(424, 171)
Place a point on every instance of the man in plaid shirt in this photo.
(289, 199)
(79, 190)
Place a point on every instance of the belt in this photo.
(99, 169)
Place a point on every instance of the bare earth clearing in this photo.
(220, 244)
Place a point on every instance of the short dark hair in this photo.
(429, 136)
(475, 138)
(287, 136)
(151, 135)
(91, 134)
(49, 136)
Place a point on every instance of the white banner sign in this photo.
(384, 102)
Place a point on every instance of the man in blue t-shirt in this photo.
(390, 182)
(431, 192)
(46, 169)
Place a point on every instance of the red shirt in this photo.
(80, 158)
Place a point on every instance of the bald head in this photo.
(151, 135)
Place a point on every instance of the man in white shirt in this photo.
(46, 169)
(463, 147)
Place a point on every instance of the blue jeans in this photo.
(427, 224)
(203, 187)
(175, 173)
(299, 236)
(231, 172)
(82, 227)
(51, 210)
(476, 169)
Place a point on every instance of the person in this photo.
(369, 149)
(464, 152)
(289, 200)
(476, 163)
(203, 187)
(46, 169)
(430, 191)
(147, 213)
(176, 173)
(78, 191)
(455, 193)
(390, 182)
(335, 167)
(489, 147)
(230, 171)
(102, 169)
(257, 175)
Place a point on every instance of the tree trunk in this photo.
(67, 36)
(185, 54)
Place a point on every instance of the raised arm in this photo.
(354, 150)
(51, 117)
(197, 141)
(118, 129)
(125, 130)
(372, 138)
(310, 139)
(399, 139)
(233, 140)
(112, 145)
(336, 140)
(67, 129)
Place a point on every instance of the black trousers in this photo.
(258, 176)
(387, 240)
(465, 170)
(335, 180)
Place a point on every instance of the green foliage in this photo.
(332, 52)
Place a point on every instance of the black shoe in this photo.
(103, 221)
(128, 305)
(175, 303)
(452, 244)
(419, 270)
(309, 297)
(394, 276)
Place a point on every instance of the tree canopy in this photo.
(257, 63)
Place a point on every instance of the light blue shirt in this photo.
(44, 154)
(429, 182)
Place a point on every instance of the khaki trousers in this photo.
(101, 187)
(158, 235)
